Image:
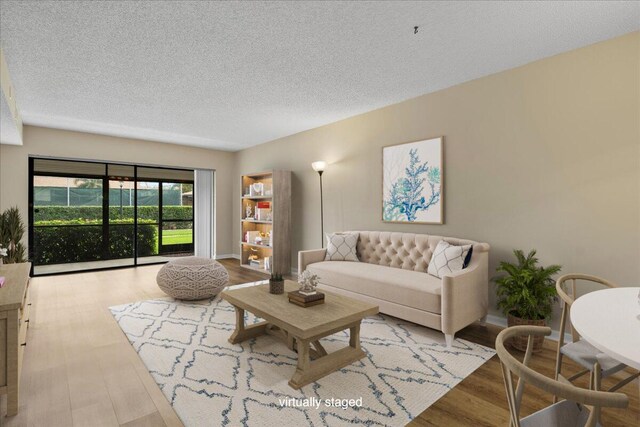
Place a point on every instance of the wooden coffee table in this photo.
(301, 327)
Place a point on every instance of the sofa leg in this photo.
(449, 340)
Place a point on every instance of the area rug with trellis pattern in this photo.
(210, 382)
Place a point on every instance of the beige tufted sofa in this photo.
(392, 273)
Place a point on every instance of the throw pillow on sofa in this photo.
(448, 258)
(342, 247)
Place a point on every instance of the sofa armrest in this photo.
(465, 294)
(309, 257)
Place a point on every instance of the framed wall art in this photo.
(412, 182)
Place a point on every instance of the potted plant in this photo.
(276, 284)
(11, 232)
(3, 253)
(526, 294)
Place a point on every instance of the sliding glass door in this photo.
(165, 209)
(176, 230)
(89, 215)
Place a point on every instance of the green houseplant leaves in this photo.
(11, 232)
(526, 290)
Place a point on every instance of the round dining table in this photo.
(609, 319)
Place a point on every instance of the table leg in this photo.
(309, 371)
(303, 354)
(320, 351)
(354, 336)
(242, 332)
(291, 342)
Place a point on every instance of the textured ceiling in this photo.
(231, 75)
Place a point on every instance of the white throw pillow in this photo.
(342, 247)
(448, 259)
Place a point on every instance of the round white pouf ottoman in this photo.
(192, 278)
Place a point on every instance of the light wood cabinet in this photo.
(14, 321)
(272, 226)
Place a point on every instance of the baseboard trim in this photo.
(227, 256)
(502, 322)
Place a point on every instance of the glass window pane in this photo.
(121, 241)
(148, 218)
(67, 201)
(177, 233)
(121, 172)
(121, 199)
(147, 240)
(53, 166)
(148, 200)
(121, 225)
(177, 201)
(67, 244)
(162, 174)
(86, 192)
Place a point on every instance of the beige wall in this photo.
(544, 156)
(51, 142)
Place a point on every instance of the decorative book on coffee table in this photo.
(303, 300)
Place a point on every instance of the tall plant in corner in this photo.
(526, 292)
(11, 233)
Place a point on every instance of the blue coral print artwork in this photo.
(412, 182)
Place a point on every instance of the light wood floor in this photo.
(79, 369)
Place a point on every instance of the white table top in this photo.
(609, 319)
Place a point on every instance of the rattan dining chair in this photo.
(582, 407)
(596, 363)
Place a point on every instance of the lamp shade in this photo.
(319, 166)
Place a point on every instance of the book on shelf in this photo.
(256, 262)
(250, 236)
(263, 205)
(256, 189)
(263, 214)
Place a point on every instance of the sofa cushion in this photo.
(410, 288)
(342, 247)
(448, 258)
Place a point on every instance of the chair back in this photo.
(567, 288)
(593, 400)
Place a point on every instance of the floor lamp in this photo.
(319, 167)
